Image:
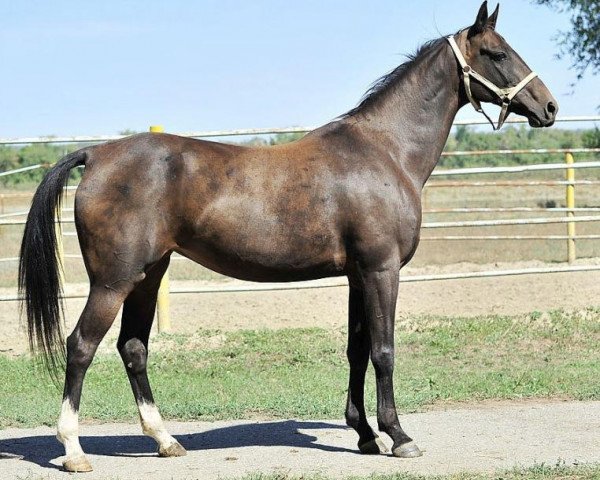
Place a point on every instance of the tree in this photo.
(285, 137)
(582, 42)
(591, 138)
(128, 131)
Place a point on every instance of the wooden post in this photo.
(570, 176)
(162, 303)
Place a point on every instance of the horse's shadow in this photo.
(42, 449)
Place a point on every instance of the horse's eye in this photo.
(495, 55)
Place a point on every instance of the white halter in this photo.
(505, 94)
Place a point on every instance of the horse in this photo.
(344, 200)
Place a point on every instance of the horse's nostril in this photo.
(551, 108)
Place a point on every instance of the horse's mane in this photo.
(380, 87)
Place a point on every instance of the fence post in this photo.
(162, 303)
(570, 176)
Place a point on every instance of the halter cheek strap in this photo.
(505, 94)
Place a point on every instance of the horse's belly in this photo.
(261, 266)
(266, 237)
(280, 255)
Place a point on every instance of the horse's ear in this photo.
(480, 21)
(491, 21)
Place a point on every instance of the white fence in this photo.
(570, 210)
(252, 131)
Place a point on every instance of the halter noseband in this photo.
(505, 94)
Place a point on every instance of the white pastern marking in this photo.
(68, 430)
(152, 424)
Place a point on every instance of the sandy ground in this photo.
(326, 307)
(481, 438)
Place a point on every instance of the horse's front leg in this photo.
(358, 358)
(381, 291)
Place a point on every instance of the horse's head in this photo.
(491, 62)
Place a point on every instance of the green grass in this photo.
(537, 472)
(302, 373)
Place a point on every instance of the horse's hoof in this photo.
(407, 450)
(373, 447)
(173, 450)
(77, 464)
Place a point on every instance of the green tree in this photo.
(12, 158)
(582, 41)
(285, 138)
(128, 131)
(591, 138)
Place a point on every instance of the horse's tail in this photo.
(40, 268)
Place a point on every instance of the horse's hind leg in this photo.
(358, 357)
(138, 314)
(97, 317)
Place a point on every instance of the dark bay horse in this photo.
(343, 200)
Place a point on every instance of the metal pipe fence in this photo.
(342, 282)
(425, 225)
(250, 131)
(8, 219)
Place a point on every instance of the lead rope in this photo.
(505, 94)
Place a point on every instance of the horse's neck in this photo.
(416, 114)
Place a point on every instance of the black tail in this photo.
(40, 268)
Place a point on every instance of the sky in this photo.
(93, 68)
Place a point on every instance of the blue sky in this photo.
(79, 67)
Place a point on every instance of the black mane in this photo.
(381, 85)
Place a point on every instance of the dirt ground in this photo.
(326, 307)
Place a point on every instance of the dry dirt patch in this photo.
(327, 307)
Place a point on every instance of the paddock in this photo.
(454, 213)
(491, 247)
(479, 223)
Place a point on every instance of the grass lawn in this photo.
(538, 472)
(302, 373)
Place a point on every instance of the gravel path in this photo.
(482, 438)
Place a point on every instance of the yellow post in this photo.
(162, 303)
(571, 255)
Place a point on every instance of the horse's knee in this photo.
(134, 355)
(383, 360)
(357, 352)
